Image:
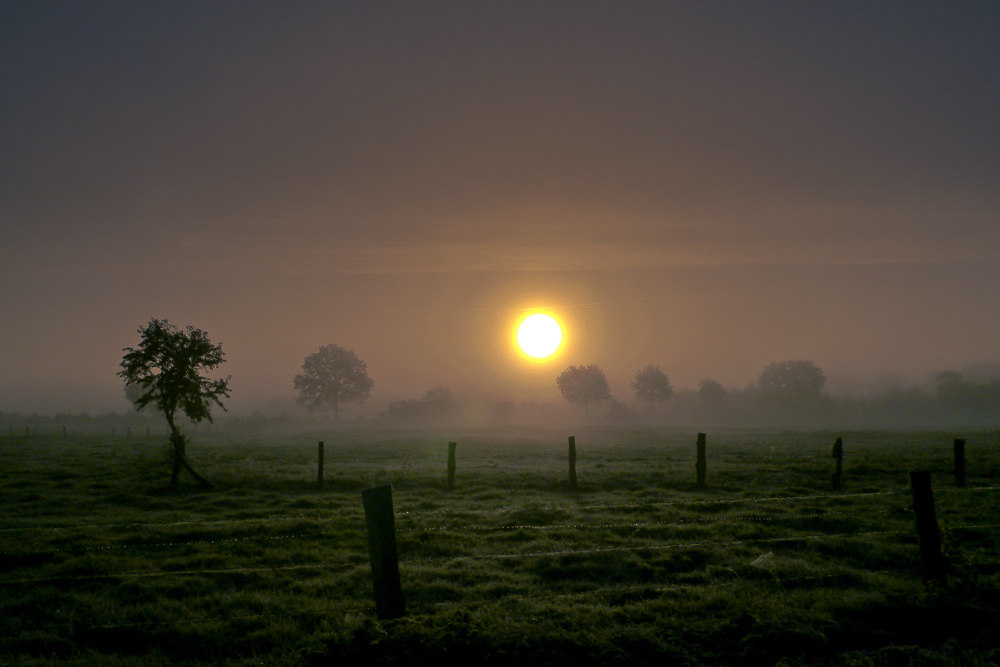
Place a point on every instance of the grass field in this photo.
(102, 563)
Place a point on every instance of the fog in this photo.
(707, 189)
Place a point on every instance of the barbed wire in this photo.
(499, 510)
(718, 501)
(615, 592)
(679, 522)
(314, 517)
(653, 547)
(168, 573)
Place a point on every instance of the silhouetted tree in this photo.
(792, 381)
(167, 369)
(583, 385)
(951, 386)
(652, 385)
(330, 377)
(711, 392)
(436, 405)
(502, 412)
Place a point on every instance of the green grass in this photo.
(102, 563)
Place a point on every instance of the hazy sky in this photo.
(703, 186)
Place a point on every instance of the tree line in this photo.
(167, 372)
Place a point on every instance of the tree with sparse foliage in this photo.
(711, 392)
(166, 372)
(583, 385)
(652, 385)
(792, 382)
(330, 377)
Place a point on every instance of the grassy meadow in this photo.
(102, 563)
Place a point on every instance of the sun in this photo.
(539, 336)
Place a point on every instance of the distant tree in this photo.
(330, 377)
(652, 385)
(792, 381)
(502, 412)
(436, 405)
(583, 385)
(711, 392)
(951, 386)
(166, 371)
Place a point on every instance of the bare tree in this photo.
(165, 371)
(330, 377)
(583, 385)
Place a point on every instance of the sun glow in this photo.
(539, 336)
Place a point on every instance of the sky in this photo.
(707, 187)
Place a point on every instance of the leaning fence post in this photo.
(838, 453)
(959, 462)
(701, 465)
(382, 551)
(451, 464)
(572, 462)
(319, 467)
(927, 527)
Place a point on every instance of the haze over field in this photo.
(707, 188)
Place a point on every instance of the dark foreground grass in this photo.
(102, 564)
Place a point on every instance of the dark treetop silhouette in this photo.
(711, 392)
(583, 385)
(652, 385)
(167, 368)
(792, 382)
(330, 377)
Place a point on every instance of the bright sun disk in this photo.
(539, 336)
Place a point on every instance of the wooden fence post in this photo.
(382, 551)
(27, 431)
(319, 468)
(128, 431)
(451, 464)
(64, 431)
(147, 431)
(838, 453)
(927, 527)
(959, 462)
(572, 462)
(701, 465)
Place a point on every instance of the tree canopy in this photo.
(166, 371)
(583, 385)
(711, 392)
(652, 385)
(792, 381)
(330, 377)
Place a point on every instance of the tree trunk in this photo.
(179, 443)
